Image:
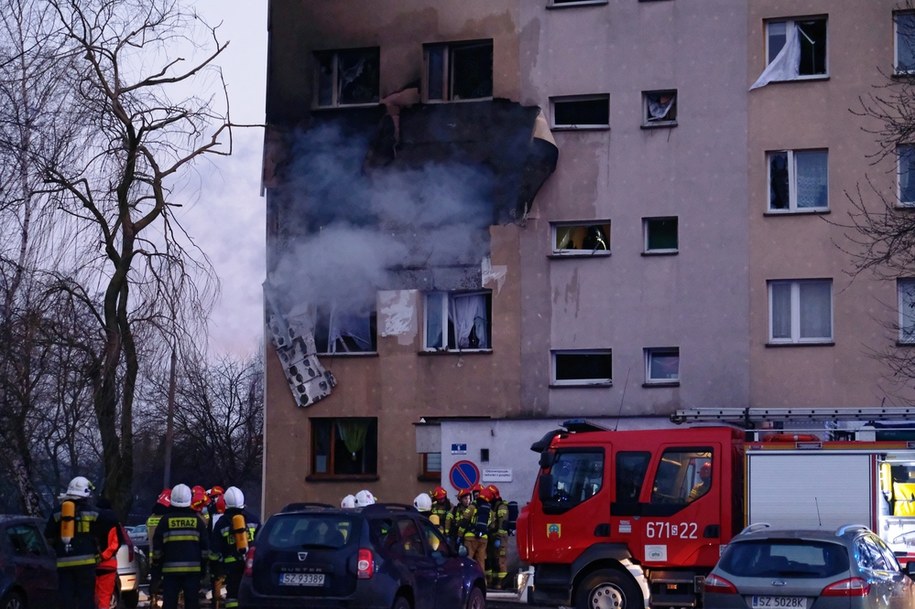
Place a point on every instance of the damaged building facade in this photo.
(488, 216)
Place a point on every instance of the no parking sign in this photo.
(464, 474)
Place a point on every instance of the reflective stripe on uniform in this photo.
(181, 567)
(80, 560)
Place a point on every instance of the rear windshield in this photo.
(293, 531)
(786, 558)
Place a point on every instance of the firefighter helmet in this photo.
(199, 498)
(423, 502)
(348, 502)
(165, 497)
(79, 488)
(181, 495)
(705, 472)
(464, 492)
(364, 498)
(234, 497)
(486, 495)
(439, 494)
(494, 491)
(214, 492)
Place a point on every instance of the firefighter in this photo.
(705, 480)
(77, 535)
(160, 507)
(497, 549)
(474, 523)
(456, 520)
(216, 505)
(182, 549)
(232, 535)
(106, 572)
(441, 510)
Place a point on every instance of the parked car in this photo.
(381, 555)
(129, 574)
(139, 535)
(28, 567)
(846, 568)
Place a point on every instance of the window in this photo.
(795, 50)
(662, 365)
(581, 112)
(660, 235)
(347, 77)
(684, 475)
(630, 475)
(906, 155)
(575, 477)
(659, 108)
(591, 367)
(458, 70)
(904, 23)
(905, 289)
(337, 331)
(458, 321)
(800, 311)
(346, 446)
(431, 466)
(575, 2)
(798, 180)
(581, 239)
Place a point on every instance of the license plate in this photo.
(301, 579)
(779, 602)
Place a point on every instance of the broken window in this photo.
(795, 50)
(581, 111)
(458, 321)
(905, 289)
(458, 70)
(906, 155)
(582, 238)
(338, 331)
(800, 311)
(904, 22)
(659, 108)
(575, 2)
(344, 446)
(583, 367)
(662, 365)
(798, 180)
(347, 77)
(660, 235)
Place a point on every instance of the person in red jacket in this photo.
(106, 571)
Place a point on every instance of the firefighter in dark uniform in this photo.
(441, 508)
(77, 534)
(181, 550)
(497, 549)
(230, 541)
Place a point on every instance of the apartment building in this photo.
(490, 215)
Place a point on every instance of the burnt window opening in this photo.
(660, 235)
(582, 238)
(344, 446)
(458, 71)
(583, 367)
(337, 331)
(347, 77)
(458, 321)
(581, 112)
(659, 108)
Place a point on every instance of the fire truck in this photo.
(636, 518)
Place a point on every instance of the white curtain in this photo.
(811, 168)
(469, 314)
(781, 310)
(907, 310)
(786, 63)
(658, 109)
(816, 309)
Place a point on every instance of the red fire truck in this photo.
(633, 519)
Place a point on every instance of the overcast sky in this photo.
(227, 217)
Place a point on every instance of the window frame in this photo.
(335, 55)
(556, 228)
(909, 173)
(447, 75)
(446, 324)
(560, 100)
(321, 332)
(649, 354)
(909, 14)
(650, 123)
(792, 168)
(425, 473)
(330, 469)
(794, 20)
(555, 381)
(904, 337)
(795, 313)
(573, 3)
(647, 224)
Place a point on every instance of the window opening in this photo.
(581, 112)
(795, 50)
(583, 367)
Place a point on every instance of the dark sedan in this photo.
(28, 569)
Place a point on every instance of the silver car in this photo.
(846, 568)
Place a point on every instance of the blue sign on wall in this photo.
(464, 474)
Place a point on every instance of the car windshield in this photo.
(789, 558)
(294, 531)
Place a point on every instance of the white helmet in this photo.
(423, 502)
(181, 495)
(364, 497)
(234, 497)
(348, 502)
(79, 488)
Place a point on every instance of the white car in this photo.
(129, 561)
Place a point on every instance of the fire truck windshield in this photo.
(573, 478)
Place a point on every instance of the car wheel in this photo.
(401, 602)
(131, 599)
(476, 599)
(13, 600)
(607, 589)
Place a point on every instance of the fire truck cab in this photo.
(622, 519)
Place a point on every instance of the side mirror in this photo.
(545, 487)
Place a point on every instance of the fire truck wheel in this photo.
(607, 589)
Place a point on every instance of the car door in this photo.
(899, 588)
(450, 572)
(35, 564)
(418, 562)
